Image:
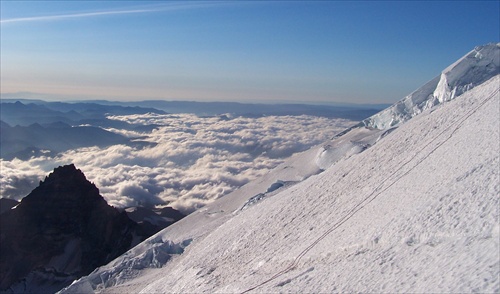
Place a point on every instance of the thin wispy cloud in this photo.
(161, 8)
(76, 15)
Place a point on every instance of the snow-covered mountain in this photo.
(401, 203)
(469, 71)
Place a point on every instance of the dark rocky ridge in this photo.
(62, 230)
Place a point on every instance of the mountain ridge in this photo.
(60, 231)
(477, 66)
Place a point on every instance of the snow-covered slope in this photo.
(406, 209)
(474, 68)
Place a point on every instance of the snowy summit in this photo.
(469, 71)
(405, 202)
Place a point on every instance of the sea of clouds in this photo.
(186, 161)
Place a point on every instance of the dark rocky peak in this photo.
(66, 187)
(66, 176)
(64, 229)
(64, 210)
(67, 173)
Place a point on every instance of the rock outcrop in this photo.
(62, 230)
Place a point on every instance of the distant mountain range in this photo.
(35, 127)
(348, 111)
(14, 112)
(24, 142)
(45, 112)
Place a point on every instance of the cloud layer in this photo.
(191, 161)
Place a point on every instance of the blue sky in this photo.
(306, 52)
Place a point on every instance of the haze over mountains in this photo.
(151, 157)
(37, 127)
(34, 129)
(98, 109)
(411, 206)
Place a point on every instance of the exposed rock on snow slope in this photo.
(416, 212)
(474, 68)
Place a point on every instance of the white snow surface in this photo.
(474, 68)
(418, 211)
